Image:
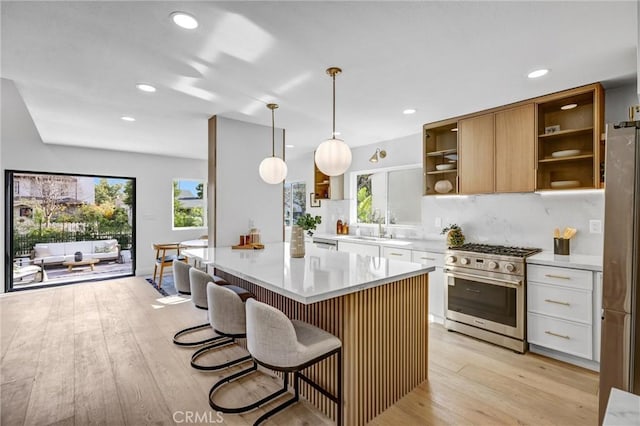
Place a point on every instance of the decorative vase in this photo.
(455, 238)
(443, 186)
(296, 247)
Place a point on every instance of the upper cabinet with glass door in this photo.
(440, 145)
(570, 150)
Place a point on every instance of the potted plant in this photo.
(455, 237)
(307, 223)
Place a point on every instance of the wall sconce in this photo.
(379, 153)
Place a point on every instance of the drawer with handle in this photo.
(393, 253)
(564, 336)
(561, 302)
(427, 258)
(565, 277)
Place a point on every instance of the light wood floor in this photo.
(102, 353)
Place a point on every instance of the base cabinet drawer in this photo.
(393, 253)
(564, 277)
(427, 258)
(561, 335)
(560, 302)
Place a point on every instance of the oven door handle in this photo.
(488, 280)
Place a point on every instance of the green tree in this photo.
(200, 190)
(105, 193)
(128, 193)
(364, 205)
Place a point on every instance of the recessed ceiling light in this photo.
(538, 73)
(146, 87)
(455, 129)
(184, 20)
(127, 118)
(409, 111)
(568, 106)
(290, 146)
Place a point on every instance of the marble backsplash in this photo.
(519, 219)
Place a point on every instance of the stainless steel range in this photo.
(486, 293)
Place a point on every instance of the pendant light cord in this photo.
(273, 133)
(333, 135)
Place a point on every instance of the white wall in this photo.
(23, 149)
(617, 102)
(242, 197)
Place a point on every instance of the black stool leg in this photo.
(288, 402)
(215, 367)
(340, 414)
(192, 330)
(251, 406)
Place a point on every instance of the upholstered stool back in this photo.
(271, 337)
(226, 308)
(181, 277)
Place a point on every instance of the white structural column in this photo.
(237, 195)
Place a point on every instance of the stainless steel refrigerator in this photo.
(620, 340)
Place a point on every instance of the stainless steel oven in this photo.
(485, 296)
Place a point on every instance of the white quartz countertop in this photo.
(322, 274)
(434, 246)
(623, 409)
(575, 261)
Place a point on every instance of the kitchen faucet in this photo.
(381, 231)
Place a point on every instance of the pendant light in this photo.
(333, 156)
(272, 169)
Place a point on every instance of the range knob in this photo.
(464, 261)
(493, 265)
(510, 267)
(451, 259)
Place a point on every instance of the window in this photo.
(189, 204)
(295, 201)
(389, 197)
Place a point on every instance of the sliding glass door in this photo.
(64, 228)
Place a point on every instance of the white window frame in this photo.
(353, 204)
(204, 204)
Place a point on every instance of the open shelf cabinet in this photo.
(440, 146)
(569, 150)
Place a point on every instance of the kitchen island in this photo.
(376, 306)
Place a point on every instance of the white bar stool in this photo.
(278, 343)
(227, 318)
(197, 288)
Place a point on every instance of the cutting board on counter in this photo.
(253, 246)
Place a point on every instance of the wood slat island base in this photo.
(384, 333)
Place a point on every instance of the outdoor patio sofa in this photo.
(56, 253)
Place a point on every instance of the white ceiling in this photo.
(77, 63)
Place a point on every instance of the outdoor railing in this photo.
(23, 244)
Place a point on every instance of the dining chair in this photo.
(164, 258)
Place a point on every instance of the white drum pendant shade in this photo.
(333, 157)
(273, 170)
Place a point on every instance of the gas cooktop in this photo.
(497, 250)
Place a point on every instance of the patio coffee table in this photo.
(84, 262)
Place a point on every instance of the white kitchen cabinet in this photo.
(436, 282)
(562, 312)
(364, 249)
(396, 253)
(597, 314)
